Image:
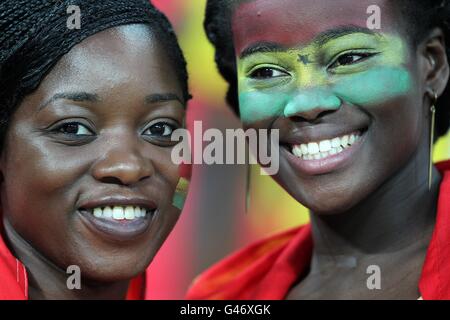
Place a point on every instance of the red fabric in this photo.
(268, 269)
(13, 276)
(435, 281)
(14, 280)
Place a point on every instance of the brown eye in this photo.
(350, 58)
(160, 129)
(267, 73)
(74, 128)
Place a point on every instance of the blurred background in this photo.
(214, 221)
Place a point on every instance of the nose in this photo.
(311, 104)
(124, 167)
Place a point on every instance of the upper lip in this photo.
(117, 200)
(317, 133)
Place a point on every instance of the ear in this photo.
(437, 69)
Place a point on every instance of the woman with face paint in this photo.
(357, 97)
(87, 114)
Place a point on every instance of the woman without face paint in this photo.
(86, 174)
(355, 108)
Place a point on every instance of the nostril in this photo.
(313, 116)
(143, 178)
(297, 119)
(112, 180)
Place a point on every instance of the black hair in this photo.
(421, 16)
(34, 35)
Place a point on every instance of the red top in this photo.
(269, 268)
(14, 280)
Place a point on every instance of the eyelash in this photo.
(71, 130)
(254, 75)
(60, 129)
(363, 56)
(166, 125)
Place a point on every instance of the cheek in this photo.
(39, 175)
(44, 168)
(166, 170)
(374, 87)
(256, 106)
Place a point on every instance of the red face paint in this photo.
(292, 23)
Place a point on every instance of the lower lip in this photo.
(117, 230)
(328, 164)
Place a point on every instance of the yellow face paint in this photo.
(358, 68)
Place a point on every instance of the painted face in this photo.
(87, 173)
(344, 97)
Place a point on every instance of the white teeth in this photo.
(325, 148)
(129, 213)
(352, 139)
(344, 141)
(119, 212)
(297, 151)
(304, 148)
(137, 212)
(107, 212)
(313, 148)
(336, 142)
(98, 212)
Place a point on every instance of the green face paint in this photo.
(180, 195)
(289, 86)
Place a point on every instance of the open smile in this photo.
(326, 155)
(119, 220)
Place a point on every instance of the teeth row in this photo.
(325, 148)
(120, 213)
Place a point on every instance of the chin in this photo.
(330, 201)
(112, 275)
(114, 269)
(329, 209)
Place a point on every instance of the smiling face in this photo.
(348, 101)
(87, 173)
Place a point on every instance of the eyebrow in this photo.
(262, 47)
(321, 39)
(92, 97)
(74, 96)
(162, 97)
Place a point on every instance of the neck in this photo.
(397, 217)
(48, 281)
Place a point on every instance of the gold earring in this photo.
(432, 125)
(247, 195)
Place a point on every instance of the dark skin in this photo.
(377, 209)
(98, 125)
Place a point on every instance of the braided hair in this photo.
(421, 16)
(34, 36)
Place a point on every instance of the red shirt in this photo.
(268, 269)
(14, 280)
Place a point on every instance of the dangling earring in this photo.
(180, 195)
(248, 179)
(182, 188)
(432, 125)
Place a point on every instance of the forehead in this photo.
(123, 56)
(296, 22)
